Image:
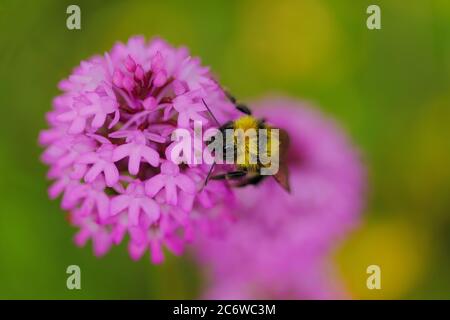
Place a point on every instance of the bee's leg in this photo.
(229, 175)
(251, 181)
(241, 107)
(244, 109)
(226, 125)
(262, 123)
(208, 176)
(210, 112)
(230, 97)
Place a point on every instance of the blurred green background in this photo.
(389, 88)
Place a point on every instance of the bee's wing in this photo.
(284, 144)
(282, 176)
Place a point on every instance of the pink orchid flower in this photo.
(136, 149)
(170, 179)
(135, 202)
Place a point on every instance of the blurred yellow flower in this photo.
(427, 175)
(288, 38)
(397, 247)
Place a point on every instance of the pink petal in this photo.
(79, 170)
(205, 199)
(154, 184)
(138, 236)
(102, 202)
(133, 213)
(121, 152)
(117, 78)
(136, 250)
(101, 243)
(175, 245)
(157, 62)
(99, 120)
(119, 203)
(178, 87)
(179, 215)
(196, 117)
(128, 83)
(118, 233)
(139, 73)
(111, 174)
(171, 192)
(183, 120)
(66, 116)
(67, 201)
(130, 64)
(87, 206)
(156, 252)
(82, 237)
(186, 201)
(150, 155)
(134, 160)
(149, 103)
(185, 183)
(155, 137)
(66, 160)
(77, 125)
(198, 107)
(48, 136)
(87, 110)
(93, 172)
(167, 113)
(150, 208)
(87, 158)
(160, 79)
(56, 188)
(114, 120)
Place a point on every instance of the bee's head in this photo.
(246, 122)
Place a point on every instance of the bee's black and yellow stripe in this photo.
(245, 123)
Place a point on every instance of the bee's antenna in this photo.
(230, 97)
(207, 177)
(212, 115)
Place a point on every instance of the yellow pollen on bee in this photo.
(250, 149)
(245, 123)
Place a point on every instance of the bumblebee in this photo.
(249, 172)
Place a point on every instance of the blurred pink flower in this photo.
(106, 146)
(279, 243)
